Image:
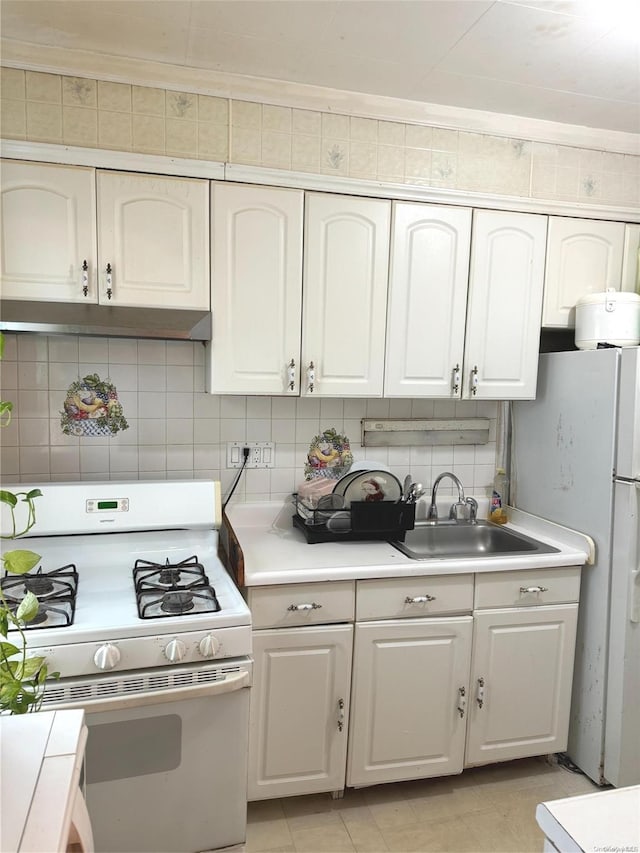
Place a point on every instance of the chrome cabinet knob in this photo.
(175, 650)
(209, 646)
(107, 656)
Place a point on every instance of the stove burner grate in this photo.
(55, 590)
(173, 589)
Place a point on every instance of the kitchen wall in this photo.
(178, 431)
(42, 107)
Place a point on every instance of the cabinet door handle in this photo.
(531, 589)
(480, 693)
(109, 281)
(291, 375)
(455, 380)
(340, 714)
(299, 607)
(419, 599)
(311, 377)
(474, 380)
(85, 278)
(462, 701)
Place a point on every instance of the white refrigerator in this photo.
(576, 461)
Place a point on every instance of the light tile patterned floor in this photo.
(486, 809)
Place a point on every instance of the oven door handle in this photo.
(231, 683)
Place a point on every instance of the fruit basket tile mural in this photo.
(329, 456)
(92, 408)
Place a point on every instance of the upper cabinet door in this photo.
(344, 295)
(48, 232)
(630, 279)
(427, 300)
(153, 240)
(583, 256)
(256, 295)
(504, 305)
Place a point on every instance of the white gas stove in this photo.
(102, 533)
(152, 638)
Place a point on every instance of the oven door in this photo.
(166, 756)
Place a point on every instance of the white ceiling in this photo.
(546, 60)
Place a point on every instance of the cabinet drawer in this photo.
(391, 598)
(527, 588)
(298, 604)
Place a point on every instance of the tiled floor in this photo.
(486, 809)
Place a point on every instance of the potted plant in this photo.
(22, 678)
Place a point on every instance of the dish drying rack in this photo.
(361, 521)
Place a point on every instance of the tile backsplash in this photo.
(177, 431)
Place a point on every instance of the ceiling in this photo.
(545, 60)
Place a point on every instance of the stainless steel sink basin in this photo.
(446, 541)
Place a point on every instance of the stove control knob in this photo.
(107, 656)
(175, 650)
(209, 646)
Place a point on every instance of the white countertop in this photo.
(276, 553)
(40, 759)
(604, 821)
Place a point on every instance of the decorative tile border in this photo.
(44, 107)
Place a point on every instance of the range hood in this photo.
(72, 318)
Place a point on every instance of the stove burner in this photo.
(171, 589)
(169, 575)
(40, 617)
(55, 590)
(177, 602)
(38, 584)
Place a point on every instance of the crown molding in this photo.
(98, 158)
(57, 60)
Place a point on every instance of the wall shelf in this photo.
(383, 432)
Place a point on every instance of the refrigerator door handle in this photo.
(634, 596)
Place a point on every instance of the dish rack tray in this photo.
(362, 521)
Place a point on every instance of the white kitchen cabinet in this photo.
(504, 303)
(409, 693)
(346, 257)
(448, 671)
(104, 237)
(631, 259)
(48, 232)
(256, 289)
(520, 683)
(302, 648)
(282, 329)
(429, 272)
(464, 321)
(583, 256)
(299, 710)
(153, 241)
(410, 678)
(522, 664)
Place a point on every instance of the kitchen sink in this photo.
(460, 540)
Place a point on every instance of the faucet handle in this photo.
(458, 510)
(472, 503)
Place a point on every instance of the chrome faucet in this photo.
(462, 505)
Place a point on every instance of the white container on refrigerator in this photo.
(609, 317)
(576, 461)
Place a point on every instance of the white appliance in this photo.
(576, 461)
(152, 639)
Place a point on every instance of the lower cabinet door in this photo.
(521, 678)
(299, 710)
(410, 686)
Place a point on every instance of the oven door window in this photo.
(130, 748)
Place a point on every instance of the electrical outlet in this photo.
(261, 454)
